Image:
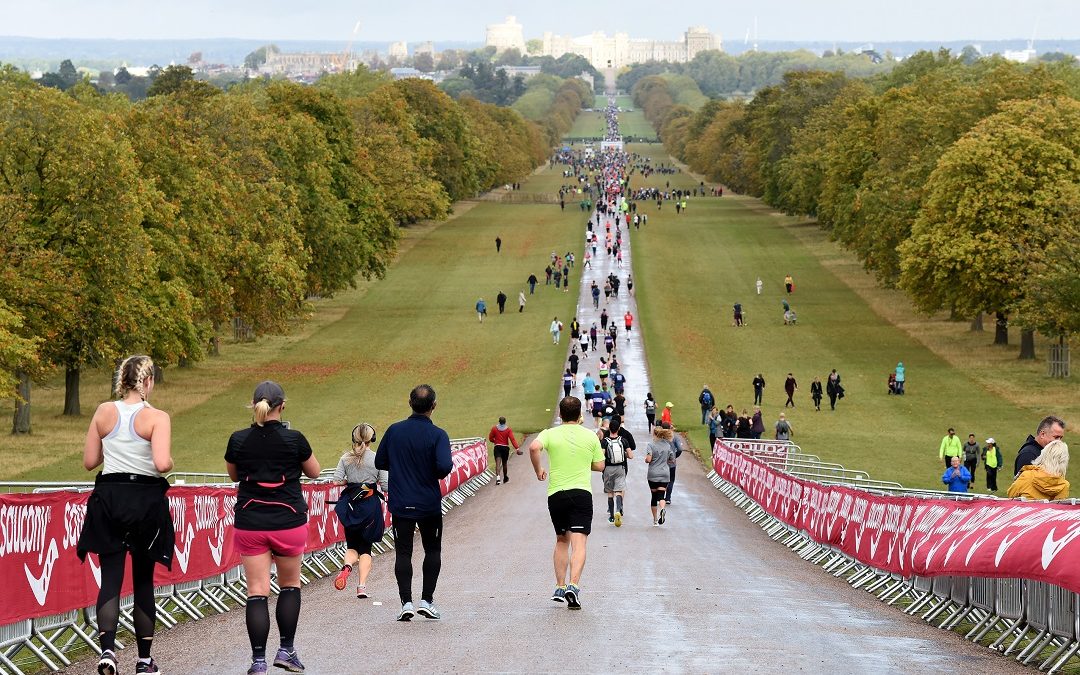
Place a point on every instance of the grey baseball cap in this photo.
(270, 391)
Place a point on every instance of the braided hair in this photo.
(132, 375)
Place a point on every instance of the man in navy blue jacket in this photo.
(416, 453)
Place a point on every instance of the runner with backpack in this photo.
(618, 445)
(706, 400)
(650, 410)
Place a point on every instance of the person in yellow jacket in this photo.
(950, 447)
(992, 460)
(1044, 477)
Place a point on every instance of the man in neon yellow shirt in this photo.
(573, 454)
(950, 447)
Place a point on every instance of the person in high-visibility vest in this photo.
(992, 461)
(950, 447)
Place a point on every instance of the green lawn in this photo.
(691, 269)
(594, 125)
(364, 350)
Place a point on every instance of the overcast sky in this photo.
(415, 20)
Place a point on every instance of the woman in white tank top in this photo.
(128, 512)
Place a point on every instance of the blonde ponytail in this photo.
(363, 435)
(262, 409)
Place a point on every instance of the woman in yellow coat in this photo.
(1044, 478)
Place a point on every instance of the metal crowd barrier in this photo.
(52, 642)
(1037, 622)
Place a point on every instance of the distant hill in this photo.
(46, 54)
(906, 48)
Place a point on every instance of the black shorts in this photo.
(502, 452)
(354, 539)
(656, 485)
(571, 511)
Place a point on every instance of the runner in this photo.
(650, 410)
(128, 511)
(573, 451)
(267, 459)
(618, 445)
(359, 507)
(502, 436)
(628, 319)
(659, 457)
(417, 455)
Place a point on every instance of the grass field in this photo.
(594, 125)
(362, 352)
(691, 269)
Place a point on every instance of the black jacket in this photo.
(1029, 452)
(128, 512)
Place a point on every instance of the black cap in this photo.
(270, 391)
(616, 419)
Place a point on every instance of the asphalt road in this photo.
(706, 592)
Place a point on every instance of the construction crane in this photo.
(347, 54)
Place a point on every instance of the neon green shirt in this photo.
(571, 451)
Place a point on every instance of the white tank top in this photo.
(126, 451)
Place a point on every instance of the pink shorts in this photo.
(285, 543)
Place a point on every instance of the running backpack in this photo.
(616, 453)
(650, 405)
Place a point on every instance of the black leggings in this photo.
(108, 603)
(431, 537)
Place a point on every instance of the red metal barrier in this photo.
(922, 536)
(39, 533)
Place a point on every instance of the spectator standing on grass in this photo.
(706, 400)
(971, 457)
(502, 437)
(833, 388)
(715, 421)
(783, 429)
(757, 425)
(789, 283)
(790, 387)
(417, 455)
(1050, 429)
(729, 422)
(759, 388)
(556, 330)
(956, 476)
(950, 447)
(744, 425)
(498, 244)
(532, 281)
(521, 301)
(500, 300)
(128, 511)
(481, 309)
(992, 461)
(901, 376)
(665, 414)
(1045, 477)
(815, 393)
(266, 460)
(758, 285)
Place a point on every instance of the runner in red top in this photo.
(502, 436)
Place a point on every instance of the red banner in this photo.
(39, 534)
(923, 536)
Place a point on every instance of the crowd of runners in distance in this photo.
(573, 449)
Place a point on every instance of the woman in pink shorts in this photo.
(267, 460)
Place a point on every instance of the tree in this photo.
(75, 183)
(534, 46)
(508, 57)
(449, 60)
(170, 80)
(424, 62)
(995, 203)
(122, 76)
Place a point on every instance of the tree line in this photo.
(956, 181)
(161, 225)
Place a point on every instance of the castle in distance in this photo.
(603, 51)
